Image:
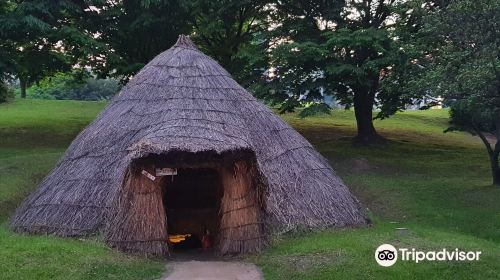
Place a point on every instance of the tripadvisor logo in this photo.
(387, 255)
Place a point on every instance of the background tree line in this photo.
(375, 56)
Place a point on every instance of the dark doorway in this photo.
(192, 202)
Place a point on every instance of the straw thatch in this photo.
(183, 101)
(241, 227)
(139, 222)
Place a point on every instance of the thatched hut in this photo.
(183, 149)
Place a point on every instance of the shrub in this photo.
(67, 86)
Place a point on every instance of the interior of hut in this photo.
(192, 198)
(181, 201)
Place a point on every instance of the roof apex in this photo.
(185, 42)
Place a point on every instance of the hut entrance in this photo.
(192, 201)
(212, 200)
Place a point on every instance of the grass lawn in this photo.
(33, 136)
(434, 184)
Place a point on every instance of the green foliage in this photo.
(5, 93)
(135, 31)
(470, 117)
(117, 38)
(68, 86)
(345, 49)
(40, 38)
(314, 108)
(357, 60)
(342, 61)
(464, 65)
(231, 31)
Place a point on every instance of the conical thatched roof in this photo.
(184, 101)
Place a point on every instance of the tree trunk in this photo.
(24, 84)
(496, 176)
(493, 153)
(363, 109)
(495, 168)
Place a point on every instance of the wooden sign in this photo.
(149, 175)
(166, 171)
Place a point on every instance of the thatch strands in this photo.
(139, 223)
(184, 101)
(241, 227)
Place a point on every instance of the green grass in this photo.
(434, 184)
(33, 136)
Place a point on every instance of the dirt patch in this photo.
(213, 270)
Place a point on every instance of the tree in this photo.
(5, 49)
(474, 113)
(463, 66)
(135, 31)
(340, 48)
(39, 38)
(230, 31)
